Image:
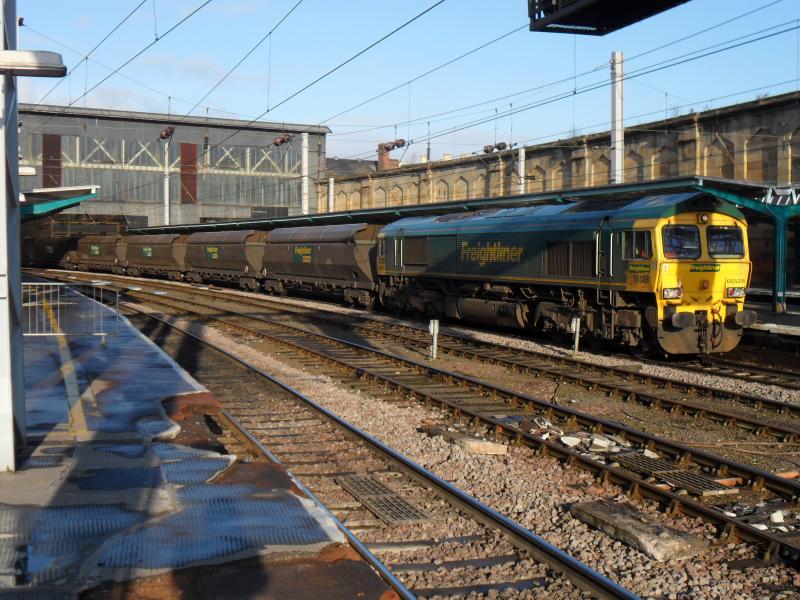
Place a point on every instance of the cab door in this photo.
(397, 250)
(606, 259)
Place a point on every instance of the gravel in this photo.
(516, 341)
(535, 491)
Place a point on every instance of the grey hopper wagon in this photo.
(332, 258)
(235, 256)
(161, 255)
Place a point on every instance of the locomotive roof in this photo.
(589, 212)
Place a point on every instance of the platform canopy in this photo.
(592, 17)
(38, 203)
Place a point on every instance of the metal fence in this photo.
(69, 309)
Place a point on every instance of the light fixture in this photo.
(32, 63)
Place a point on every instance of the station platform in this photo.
(121, 490)
(786, 325)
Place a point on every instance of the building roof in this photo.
(350, 166)
(164, 119)
(671, 124)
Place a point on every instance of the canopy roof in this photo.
(42, 202)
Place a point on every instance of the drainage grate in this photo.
(381, 500)
(699, 485)
(694, 483)
(639, 463)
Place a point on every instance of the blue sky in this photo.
(320, 34)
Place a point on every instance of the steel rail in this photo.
(683, 453)
(730, 529)
(726, 367)
(258, 448)
(680, 452)
(579, 573)
(448, 342)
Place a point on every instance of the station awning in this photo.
(38, 203)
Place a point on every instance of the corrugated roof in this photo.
(161, 118)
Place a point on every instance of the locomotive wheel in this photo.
(593, 342)
(643, 349)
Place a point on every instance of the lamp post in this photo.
(166, 135)
(13, 63)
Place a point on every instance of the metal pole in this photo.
(433, 328)
(166, 181)
(330, 194)
(304, 175)
(12, 383)
(779, 273)
(521, 170)
(576, 329)
(617, 174)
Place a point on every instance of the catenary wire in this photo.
(245, 57)
(139, 53)
(92, 51)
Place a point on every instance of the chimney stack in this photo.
(384, 162)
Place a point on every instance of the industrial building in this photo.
(216, 169)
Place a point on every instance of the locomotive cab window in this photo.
(637, 245)
(681, 241)
(725, 242)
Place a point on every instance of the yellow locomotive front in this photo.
(703, 272)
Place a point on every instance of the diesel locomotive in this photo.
(662, 274)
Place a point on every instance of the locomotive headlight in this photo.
(703, 218)
(734, 292)
(673, 293)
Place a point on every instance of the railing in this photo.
(61, 309)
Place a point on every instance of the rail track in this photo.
(746, 371)
(476, 404)
(411, 538)
(664, 392)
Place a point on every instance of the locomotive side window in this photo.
(681, 241)
(725, 242)
(637, 245)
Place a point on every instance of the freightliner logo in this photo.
(490, 252)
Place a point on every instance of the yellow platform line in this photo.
(77, 417)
